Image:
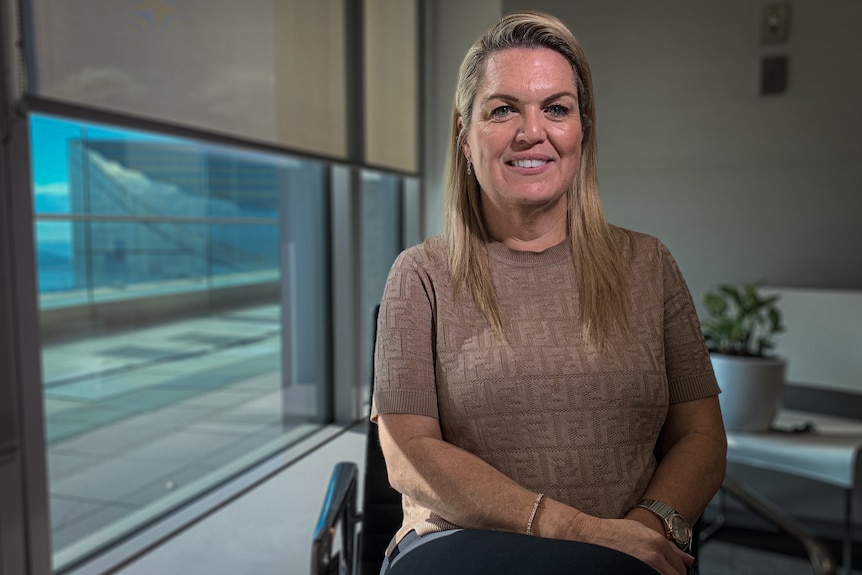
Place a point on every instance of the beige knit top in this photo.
(542, 407)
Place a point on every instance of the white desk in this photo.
(830, 455)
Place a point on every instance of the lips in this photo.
(528, 163)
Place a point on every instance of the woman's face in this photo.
(525, 137)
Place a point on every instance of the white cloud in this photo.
(52, 189)
(160, 197)
(132, 180)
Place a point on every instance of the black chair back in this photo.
(381, 505)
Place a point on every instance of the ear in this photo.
(465, 147)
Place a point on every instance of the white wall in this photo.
(451, 27)
(741, 187)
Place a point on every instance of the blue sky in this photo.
(49, 137)
(49, 140)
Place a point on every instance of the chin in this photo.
(539, 198)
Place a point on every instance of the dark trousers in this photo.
(472, 552)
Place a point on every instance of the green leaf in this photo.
(771, 299)
(741, 321)
(715, 304)
(775, 320)
(731, 292)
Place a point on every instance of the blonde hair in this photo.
(597, 254)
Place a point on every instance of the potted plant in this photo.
(740, 335)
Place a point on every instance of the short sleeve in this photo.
(687, 364)
(404, 380)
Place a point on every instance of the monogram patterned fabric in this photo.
(541, 406)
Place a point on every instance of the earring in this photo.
(469, 167)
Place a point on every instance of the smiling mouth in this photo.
(528, 163)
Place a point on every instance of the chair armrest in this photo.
(339, 510)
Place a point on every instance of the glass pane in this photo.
(381, 243)
(175, 279)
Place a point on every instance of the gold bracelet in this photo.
(533, 513)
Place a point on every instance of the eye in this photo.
(558, 111)
(501, 112)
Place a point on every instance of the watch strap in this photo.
(667, 513)
(663, 510)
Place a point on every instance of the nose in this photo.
(532, 128)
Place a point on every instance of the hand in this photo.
(635, 539)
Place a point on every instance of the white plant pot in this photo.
(752, 390)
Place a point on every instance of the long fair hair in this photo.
(596, 246)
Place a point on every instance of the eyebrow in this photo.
(514, 100)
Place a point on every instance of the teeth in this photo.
(528, 163)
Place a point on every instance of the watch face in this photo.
(680, 529)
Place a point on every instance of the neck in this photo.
(531, 228)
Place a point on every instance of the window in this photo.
(175, 279)
(381, 207)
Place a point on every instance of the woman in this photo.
(532, 361)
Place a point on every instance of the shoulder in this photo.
(647, 258)
(638, 245)
(419, 276)
(429, 255)
(425, 263)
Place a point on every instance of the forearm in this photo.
(461, 487)
(687, 477)
(465, 490)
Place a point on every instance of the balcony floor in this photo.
(139, 422)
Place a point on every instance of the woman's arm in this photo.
(466, 491)
(691, 470)
(692, 439)
(455, 484)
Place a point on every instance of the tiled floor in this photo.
(103, 379)
(139, 422)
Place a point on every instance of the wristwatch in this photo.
(676, 527)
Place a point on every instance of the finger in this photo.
(669, 567)
(668, 560)
(678, 561)
(688, 560)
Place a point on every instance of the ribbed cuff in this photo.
(695, 387)
(404, 401)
